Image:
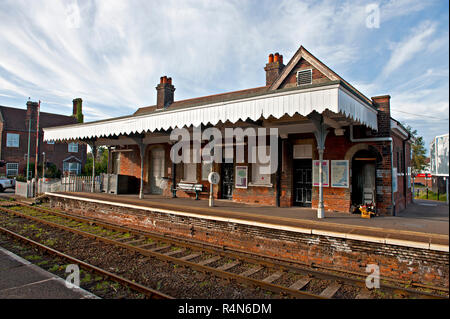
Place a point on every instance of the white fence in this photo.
(80, 184)
(24, 189)
(66, 184)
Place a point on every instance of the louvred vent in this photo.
(304, 77)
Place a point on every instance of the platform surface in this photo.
(424, 221)
(19, 279)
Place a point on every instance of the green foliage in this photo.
(52, 171)
(101, 162)
(432, 196)
(419, 158)
(21, 178)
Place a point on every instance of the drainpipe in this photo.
(405, 187)
(380, 139)
(280, 158)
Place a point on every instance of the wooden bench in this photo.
(187, 187)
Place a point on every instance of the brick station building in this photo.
(14, 127)
(365, 152)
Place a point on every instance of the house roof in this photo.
(215, 98)
(14, 119)
(241, 94)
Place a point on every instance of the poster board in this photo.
(241, 177)
(326, 175)
(340, 175)
(394, 179)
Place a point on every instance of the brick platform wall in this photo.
(418, 265)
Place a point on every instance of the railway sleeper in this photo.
(331, 290)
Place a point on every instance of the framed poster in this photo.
(340, 174)
(325, 170)
(241, 177)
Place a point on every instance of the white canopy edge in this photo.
(334, 97)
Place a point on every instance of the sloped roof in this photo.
(15, 118)
(215, 98)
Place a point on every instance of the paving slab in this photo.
(19, 279)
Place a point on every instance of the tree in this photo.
(419, 158)
(101, 162)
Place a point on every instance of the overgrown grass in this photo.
(432, 196)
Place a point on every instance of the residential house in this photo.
(18, 126)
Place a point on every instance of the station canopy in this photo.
(335, 99)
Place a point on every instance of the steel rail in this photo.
(221, 251)
(151, 293)
(185, 263)
(266, 260)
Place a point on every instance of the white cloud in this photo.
(115, 53)
(407, 49)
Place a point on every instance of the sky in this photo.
(111, 53)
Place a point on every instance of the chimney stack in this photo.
(383, 105)
(77, 111)
(31, 114)
(165, 93)
(273, 68)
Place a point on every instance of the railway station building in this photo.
(323, 125)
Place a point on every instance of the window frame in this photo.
(70, 149)
(9, 169)
(68, 168)
(255, 166)
(186, 178)
(8, 141)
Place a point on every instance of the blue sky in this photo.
(112, 53)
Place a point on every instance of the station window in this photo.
(12, 169)
(258, 177)
(12, 140)
(190, 172)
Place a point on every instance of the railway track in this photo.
(148, 292)
(279, 276)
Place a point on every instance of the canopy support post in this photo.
(140, 142)
(320, 133)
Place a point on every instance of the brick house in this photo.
(321, 118)
(14, 127)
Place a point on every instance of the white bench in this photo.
(187, 187)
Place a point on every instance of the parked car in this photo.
(6, 183)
